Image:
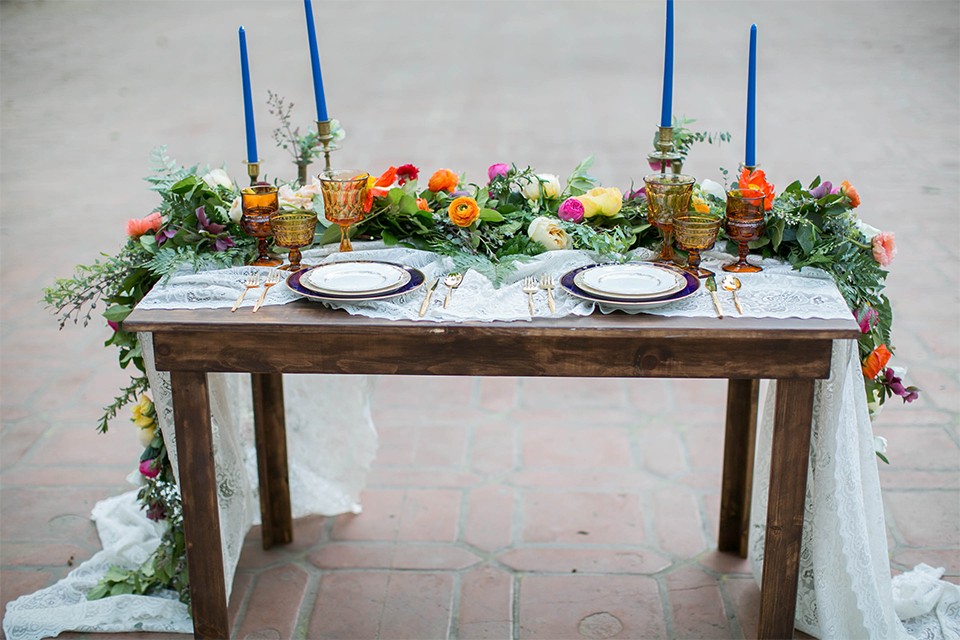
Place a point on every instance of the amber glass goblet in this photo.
(744, 225)
(258, 203)
(695, 232)
(344, 198)
(293, 230)
(667, 195)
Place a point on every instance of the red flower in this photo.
(876, 361)
(406, 173)
(758, 180)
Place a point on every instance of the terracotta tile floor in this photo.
(527, 508)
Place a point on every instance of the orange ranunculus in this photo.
(700, 205)
(758, 180)
(136, 228)
(847, 189)
(423, 205)
(463, 211)
(443, 180)
(875, 362)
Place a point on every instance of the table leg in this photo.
(738, 452)
(198, 491)
(271, 437)
(788, 486)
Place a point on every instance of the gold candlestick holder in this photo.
(253, 170)
(665, 152)
(326, 138)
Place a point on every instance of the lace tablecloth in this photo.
(845, 586)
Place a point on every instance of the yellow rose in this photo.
(143, 413)
(547, 231)
(601, 201)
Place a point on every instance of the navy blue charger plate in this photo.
(293, 281)
(693, 283)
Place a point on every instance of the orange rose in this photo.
(758, 180)
(463, 211)
(875, 362)
(423, 205)
(443, 180)
(847, 189)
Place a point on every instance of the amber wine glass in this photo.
(744, 225)
(668, 194)
(293, 230)
(344, 200)
(258, 203)
(695, 233)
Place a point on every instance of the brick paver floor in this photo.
(529, 508)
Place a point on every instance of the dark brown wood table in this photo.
(304, 337)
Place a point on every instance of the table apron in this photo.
(568, 354)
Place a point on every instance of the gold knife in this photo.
(712, 286)
(431, 287)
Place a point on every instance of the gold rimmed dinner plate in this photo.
(630, 281)
(355, 278)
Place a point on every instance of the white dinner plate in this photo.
(630, 281)
(356, 277)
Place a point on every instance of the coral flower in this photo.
(884, 248)
(758, 180)
(463, 211)
(136, 228)
(407, 173)
(443, 180)
(423, 205)
(847, 189)
(876, 361)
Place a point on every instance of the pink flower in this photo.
(884, 248)
(866, 318)
(498, 169)
(571, 210)
(147, 470)
(113, 325)
(136, 228)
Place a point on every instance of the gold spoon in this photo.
(731, 284)
(452, 281)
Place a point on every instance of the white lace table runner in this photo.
(777, 292)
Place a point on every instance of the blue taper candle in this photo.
(315, 63)
(750, 159)
(247, 100)
(666, 113)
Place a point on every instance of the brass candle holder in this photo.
(253, 170)
(665, 153)
(325, 136)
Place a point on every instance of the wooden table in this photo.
(304, 337)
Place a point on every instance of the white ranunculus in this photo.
(236, 210)
(549, 182)
(218, 177)
(547, 231)
(714, 189)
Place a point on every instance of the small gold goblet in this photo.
(667, 195)
(293, 230)
(744, 225)
(258, 203)
(344, 200)
(695, 232)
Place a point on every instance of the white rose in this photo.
(549, 182)
(236, 210)
(547, 231)
(879, 444)
(218, 177)
(714, 189)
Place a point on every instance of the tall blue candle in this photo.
(666, 113)
(315, 63)
(247, 100)
(750, 159)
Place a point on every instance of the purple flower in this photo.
(222, 243)
(460, 194)
(639, 194)
(165, 235)
(156, 512)
(499, 169)
(909, 394)
(866, 318)
(205, 225)
(823, 189)
(147, 470)
(571, 210)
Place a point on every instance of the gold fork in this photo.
(530, 287)
(546, 283)
(253, 281)
(273, 278)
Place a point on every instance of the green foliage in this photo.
(684, 139)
